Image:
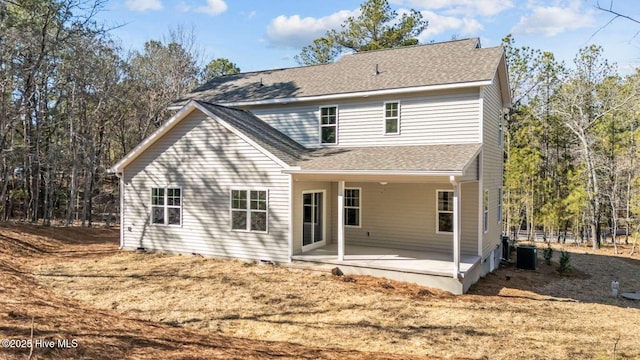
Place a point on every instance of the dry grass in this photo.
(105, 333)
(509, 314)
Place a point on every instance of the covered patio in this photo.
(409, 213)
(432, 269)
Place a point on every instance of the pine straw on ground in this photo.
(105, 333)
(165, 298)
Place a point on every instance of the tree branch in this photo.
(617, 14)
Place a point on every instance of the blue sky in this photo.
(261, 34)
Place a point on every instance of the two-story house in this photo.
(385, 162)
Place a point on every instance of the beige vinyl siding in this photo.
(469, 218)
(445, 117)
(432, 119)
(492, 162)
(400, 215)
(206, 161)
(301, 123)
(472, 171)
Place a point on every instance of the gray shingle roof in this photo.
(451, 62)
(272, 140)
(427, 158)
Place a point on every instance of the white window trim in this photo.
(438, 211)
(501, 130)
(248, 210)
(384, 118)
(499, 205)
(485, 216)
(323, 242)
(166, 206)
(355, 207)
(320, 126)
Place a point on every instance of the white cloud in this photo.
(143, 5)
(469, 8)
(489, 7)
(213, 7)
(296, 32)
(183, 7)
(553, 20)
(439, 24)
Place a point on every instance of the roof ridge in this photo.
(354, 54)
(411, 46)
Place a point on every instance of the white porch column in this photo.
(340, 220)
(290, 220)
(456, 226)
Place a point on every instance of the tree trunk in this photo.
(73, 189)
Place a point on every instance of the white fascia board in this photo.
(375, 172)
(503, 80)
(146, 143)
(365, 94)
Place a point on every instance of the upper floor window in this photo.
(391, 118)
(329, 125)
(249, 210)
(166, 206)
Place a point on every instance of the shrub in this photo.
(565, 262)
(548, 254)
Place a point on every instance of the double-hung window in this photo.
(329, 125)
(445, 211)
(391, 118)
(352, 207)
(166, 206)
(249, 210)
(486, 211)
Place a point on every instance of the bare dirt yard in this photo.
(75, 284)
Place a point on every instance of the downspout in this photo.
(481, 177)
(120, 176)
(481, 204)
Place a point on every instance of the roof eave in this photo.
(377, 172)
(358, 94)
(503, 78)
